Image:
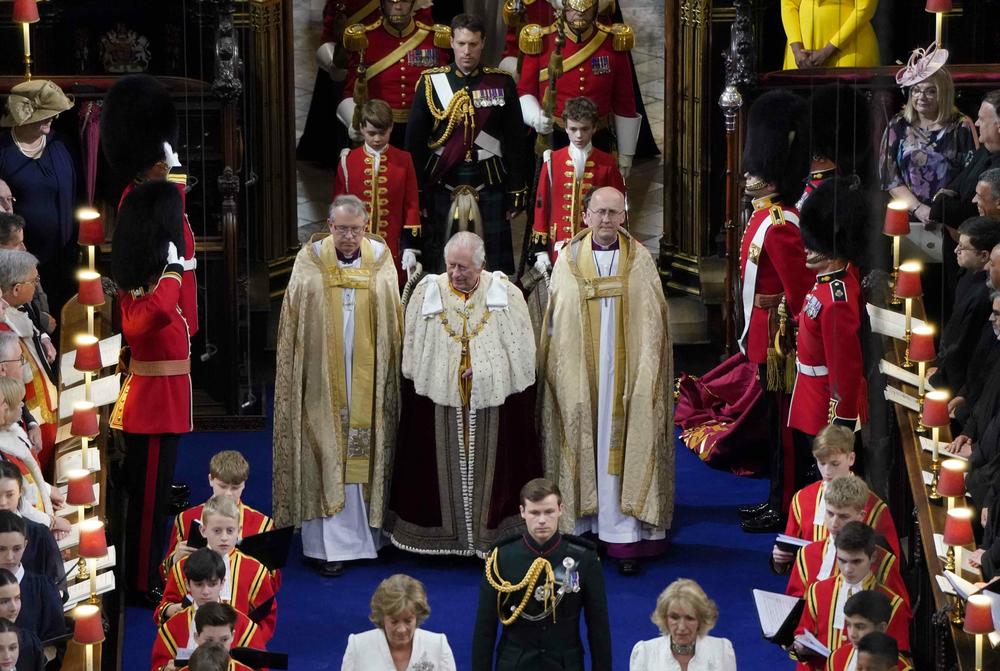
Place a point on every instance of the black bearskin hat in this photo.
(840, 129)
(834, 219)
(777, 146)
(137, 118)
(150, 216)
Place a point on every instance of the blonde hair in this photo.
(846, 491)
(12, 391)
(833, 439)
(229, 466)
(220, 505)
(945, 97)
(689, 593)
(397, 594)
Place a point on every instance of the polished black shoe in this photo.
(628, 566)
(747, 512)
(331, 569)
(765, 523)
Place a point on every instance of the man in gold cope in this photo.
(605, 367)
(336, 396)
(466, 439)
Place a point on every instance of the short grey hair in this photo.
(350, 203)
(14, 267)
(992, 179)
(8, 342)
(470, 241)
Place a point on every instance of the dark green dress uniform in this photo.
(467, 139)
(536, 639)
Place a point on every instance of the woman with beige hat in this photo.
(41, 174)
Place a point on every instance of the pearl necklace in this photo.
(31, 150)
(683, 650)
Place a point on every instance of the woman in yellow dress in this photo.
(829, 33)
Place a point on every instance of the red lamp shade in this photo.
(85, 422)
(921, 344)
(908, 282)
(25, 11)
(88, 628)
(93, 542)
(91, 226)
(951, 479)
(938, 7)
(936, 409)
(958, 527)
(979, 615)
(91, 292)
(80, 490)
(88, 354)
(897, 219)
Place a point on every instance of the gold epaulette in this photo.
(177, 178)
(777, 215)
(496, 71)
(622, 35)
(442, 34)
(510, 17)
(355, 39)
(433, 71)
(530, 42)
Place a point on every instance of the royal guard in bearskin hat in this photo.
(829, 385)
(839, 136)
(138, 135)
(154, 405)
(773, 273)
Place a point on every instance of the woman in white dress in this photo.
(398, 607)
(684, 615)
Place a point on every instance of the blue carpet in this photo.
(315, 615)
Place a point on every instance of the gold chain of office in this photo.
(528, 584)
(458, 337)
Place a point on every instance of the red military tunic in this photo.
(809, 560)
(358, 11)
(829, 386)
(157, 334)
(815, 178)
(802, 517)
(560, 193)
(592, 67)
(252, 522)
(538, 12)
(819, 617)
(772, 264)
(178, 631)
(391, 197)
(251, 586)
(394, 63)
(844, 658)
(189, 286)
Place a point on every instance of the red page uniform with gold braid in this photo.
(252, 522)
(809, 562)
(178, 632)
(802, 516)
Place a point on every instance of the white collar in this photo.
(829, 557)
(373, 152)
(19, 573)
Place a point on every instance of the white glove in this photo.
(409, 260)
(355, 134)
(543, 124)
(324, 55)
(534, 116)
(172, 254)
(624, 165)
(542, 262)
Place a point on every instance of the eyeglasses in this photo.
(36, 280)
(353, 231)
(610, 214)
(20, 361)
(925, 92)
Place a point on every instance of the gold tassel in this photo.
(623, 38)
(790, 371)
(360, 98)
(442, 36)
(355, 38)
(530, 39)
(510, 17)
(774, 370)
(555, 66)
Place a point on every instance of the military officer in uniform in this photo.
(829, 384)
(387, 57)
(536, 586)
(596, 65)
(466, 137)
(773, 271)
